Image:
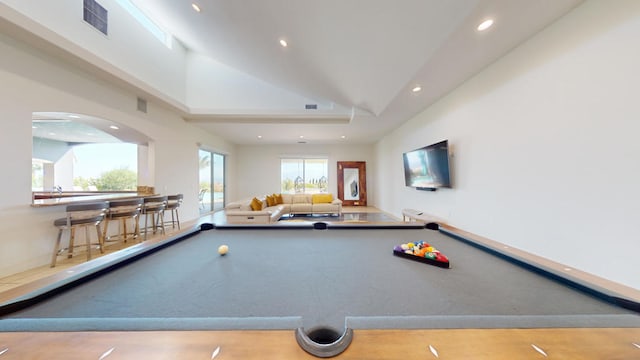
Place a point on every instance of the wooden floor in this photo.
(69, 266)
(582, 343)
(495, 344)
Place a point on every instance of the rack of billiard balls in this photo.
(423, 252)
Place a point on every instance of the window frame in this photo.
(306, 183)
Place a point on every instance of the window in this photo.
(96, 15)
(105, 167)
(89, 167)
(145, 21)
(78, 152)
(211, 194)
(299, 176)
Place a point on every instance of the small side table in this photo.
(417, 215)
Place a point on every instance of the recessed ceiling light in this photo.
(259, 136)
(114, 127)
(283, 43)
(485, 25)
(417, 89)
(301, 136)
(195, 7)
(343, 137)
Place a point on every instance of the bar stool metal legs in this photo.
(173, 203)
(123, 211)
(80, 216)
(154, 206)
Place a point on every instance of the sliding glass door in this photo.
(218, 182)
(211, 181)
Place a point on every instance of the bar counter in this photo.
(70, 199)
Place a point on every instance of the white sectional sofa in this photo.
(241, 212)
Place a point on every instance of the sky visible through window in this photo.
(312, 172)
(143, 19)
(94, 159)
(313, 169)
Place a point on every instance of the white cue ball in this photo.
(223, 249)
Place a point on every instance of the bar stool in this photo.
(173, 203)
(123, 210)
(80, 216)
(154, 206)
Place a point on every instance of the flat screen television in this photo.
(427, 168)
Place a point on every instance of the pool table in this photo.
(324, 283)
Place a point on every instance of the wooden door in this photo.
(352, 183)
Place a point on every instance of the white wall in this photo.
(33, 81)
(125, 37)
(258, 167)
(546, 155)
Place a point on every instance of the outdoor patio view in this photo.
(304, 176)
(211, 192)
(91, 167)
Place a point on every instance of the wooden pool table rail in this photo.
(478, 344)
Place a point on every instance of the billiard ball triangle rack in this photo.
(422, 252)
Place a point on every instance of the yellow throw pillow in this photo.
(256, 205)
(271, 201)
(321, 198)
(279, 199)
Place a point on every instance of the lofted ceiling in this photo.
(357, 59)
(362, 55)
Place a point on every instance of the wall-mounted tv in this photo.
(427, 168)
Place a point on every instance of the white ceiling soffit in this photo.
(81, 128)
(279, 118)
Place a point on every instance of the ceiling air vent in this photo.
(142, 105)
(96, 15)
(311, 107)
